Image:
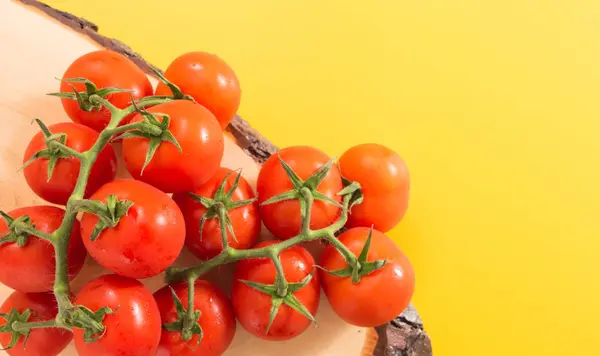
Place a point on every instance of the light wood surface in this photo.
(36, 49)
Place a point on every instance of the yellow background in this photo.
(493, 104)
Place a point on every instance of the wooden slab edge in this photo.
(403, 336)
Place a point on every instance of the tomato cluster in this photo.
(172, 143)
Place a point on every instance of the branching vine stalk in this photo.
(76, 316)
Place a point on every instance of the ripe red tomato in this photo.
(65, 173)
(41, 342)
(253, 307)
(133, 329)
(31, 268)
(379, 296)
(146, 240)
(245, 219)
(106, 69)
(283, 219)
(209, 80)
(385, 184)
(216, 320)
(201, 140)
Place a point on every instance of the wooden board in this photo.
(36, 49)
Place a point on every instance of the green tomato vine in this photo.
(281, 291)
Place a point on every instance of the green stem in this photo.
(229, 255)
(280, 281)
(65, 149)
(30, 230)
(127, 127)
(222, 211)
(146, 102)
(308, 202)
(22, 327)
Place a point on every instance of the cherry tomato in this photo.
(43, 341)
(147, 239)
(133, 329)
(209, 80)
(385, 184)
(253, 307)
(106, 69)
(31, 268)
(379, 296)
(283, 219)
(65, 173)
(245, 220)
(216, 320)
(201, 140)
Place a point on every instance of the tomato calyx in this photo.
(152, 129)
(187, 321)
(83, 98)
(56, 149)
(362, 267)
(353, 188)
(177, 93)
(286, 297)
(300, 187)
(82, 317)
(109, 214)
(14, 316)
(221, 203)
(17, 229)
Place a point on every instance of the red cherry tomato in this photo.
(253, 307)
(43, 341)
(379, 296)
(209, 80)
(146, 240)
(133, 329)
(65, 173)
(245, 219)
(385, 184)
(31, 268)
(201, 140)
(216, 320)
(106, 69)
(283, 219)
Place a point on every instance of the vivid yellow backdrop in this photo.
(493, 104)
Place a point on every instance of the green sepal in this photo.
(288, 299)
(177, 93)
(153, 130)
(11, 317)
(84, 318)
(353, 188)
(83, 98)
(183, 324)
(14, 234)
(312, 183)
(221, 200)
(364, 267)
(109, 214)
(52, 152)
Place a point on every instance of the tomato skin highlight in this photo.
(31, 268)
(65, 173)
(379, 296)
(41, 342)
(146, 240)
(133, 330)
(283, 218)
(106, 69)
(171, 171)
(216, 320)
(385, 184)
(245, 219)
(252, 308)
(209, 80)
